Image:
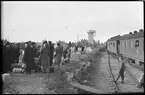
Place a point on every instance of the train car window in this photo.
(121, 44)
(137, 43)
(125, 44)
(131, 45)
(113, 44)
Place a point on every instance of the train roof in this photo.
(132, 36)
(114, 38)
(127, 36)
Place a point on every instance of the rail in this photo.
(112, 76)
(129, 73)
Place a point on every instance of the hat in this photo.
(44, 42)
(58, 44)
(33, 43)
(7, 43)
(50, 42)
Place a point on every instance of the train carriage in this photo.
(113, 44)
(130, 46)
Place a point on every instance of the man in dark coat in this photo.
(51, 52)
(82, 50)
(11, 52)
(7, 58)
(17, 54)
(34, 55)
(28, 57)
(4, 59)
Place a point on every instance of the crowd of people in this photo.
(47, 55)
(10, 54)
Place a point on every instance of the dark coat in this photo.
(9, 56)
(29, 57)
(5, 62)
(11, 52)
(35, 51)
(51, 50)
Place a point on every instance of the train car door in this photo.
(118, 47)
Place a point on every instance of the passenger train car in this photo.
(129, 45)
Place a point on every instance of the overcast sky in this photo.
(35, 20)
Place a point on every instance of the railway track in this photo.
(118, 87)
(128, 71)
(129, 62)
(116, 90)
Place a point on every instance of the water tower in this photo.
(91, 36)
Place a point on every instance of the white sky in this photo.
(35, 20)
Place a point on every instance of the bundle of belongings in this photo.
(18, 67)
(64, 60)
(6, 78)
(38, 66)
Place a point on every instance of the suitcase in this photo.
(6, 78)
(18, 70)
(16, 66)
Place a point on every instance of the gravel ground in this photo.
(38, 83)
(103, 79)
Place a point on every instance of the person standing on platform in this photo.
(64, 52)
(44, 57)
(9, 55)
(34, 52)
(76, 48)
(51, 53)
(69, 53)
(17, 54)
(121, 71)
(58, 55)
(82, 49)
(5, 58)
(28, 57)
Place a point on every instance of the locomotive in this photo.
(130, 46)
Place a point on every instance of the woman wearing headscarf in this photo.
(58, 56)
(44, 56)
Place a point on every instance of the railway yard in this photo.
(72, 48)
(96, 78)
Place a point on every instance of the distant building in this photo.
(91, 36)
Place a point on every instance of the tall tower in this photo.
(91, 36)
